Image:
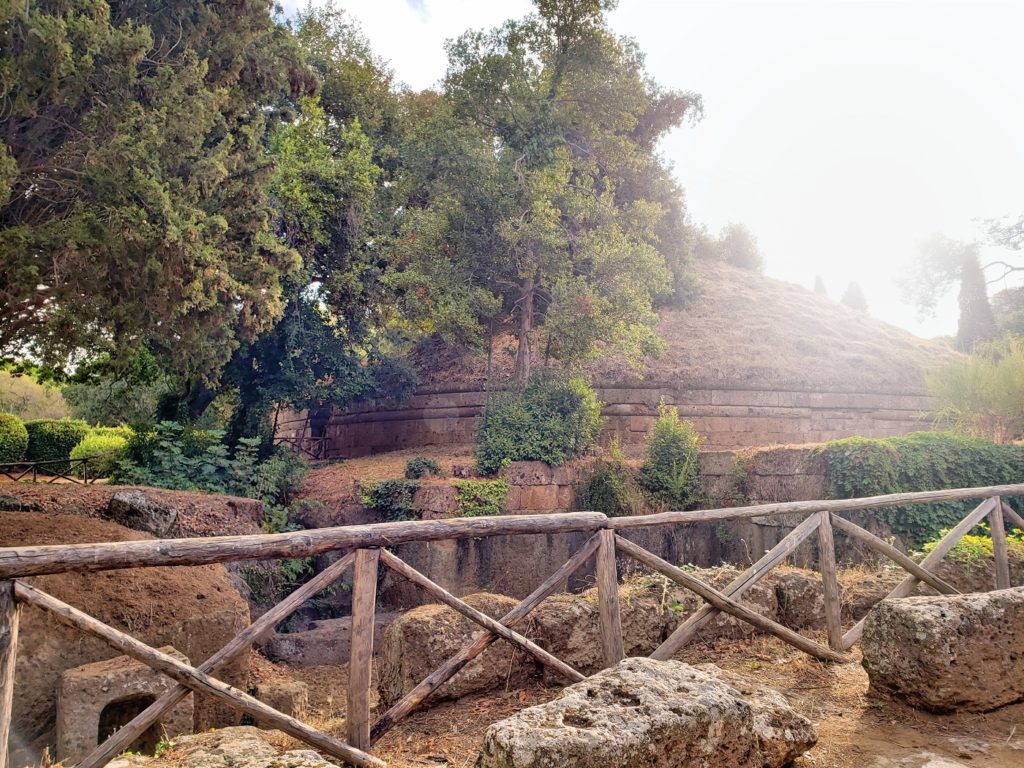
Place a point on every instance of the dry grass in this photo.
(746, 327)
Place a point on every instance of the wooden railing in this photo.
(52, 470)
(365, 546)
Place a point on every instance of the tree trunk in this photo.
(524, 355)
(977, 323)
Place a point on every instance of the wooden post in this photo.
(728, 605)
(364, 602)
(999, 551)
(906, 587)
(736, 588)
(1012, 514)
(125, 736)
(830, 581)
(478, 645)
(608, 600)
(192, 677)
(9, 610)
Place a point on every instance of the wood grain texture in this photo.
(829, 581)
(360, 671)
(125, 736)
(9, 614)
(728, 605)
(689, 628)
(883, 547)
(906, 587)
(608, 600)
(1000, 554)
(193, 678)
(440, 594)
(479, 644)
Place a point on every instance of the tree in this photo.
(854, 298)
(559, 123)
(942, 263)
(133, 210)
(1008, 308)
(819, 286)
(738, 247)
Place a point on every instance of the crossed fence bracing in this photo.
(52, 470)
(365, 553)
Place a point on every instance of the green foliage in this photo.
(921, 461)
(481, 498)
(52, 439)
(553, 419)
(173, 456)
(104, 392)
(734, 245)
(391, 499)
(975, 549)
(13, 438)
(671, 469)
(26, 398)
(135, 161)
(612, 488)
(420, 466)
(106, 448)
(983, 395)
(1008, 308)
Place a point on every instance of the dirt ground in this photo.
(855, 729)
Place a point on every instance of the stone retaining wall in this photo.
(727, 417)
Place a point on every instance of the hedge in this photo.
(920, 461)
(106, 446)
(51, 439)
(13, 438)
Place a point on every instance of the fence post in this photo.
(829, 580)
(364, 600)
(9, 610)
(999, 553)
(608, 599)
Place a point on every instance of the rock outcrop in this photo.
(421, 640)
(651, 714)
(242, 747)
(948, 653)
(136, 510)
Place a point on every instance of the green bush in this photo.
(671, 469)
(553, 419)
(420, 466)
(612, 488)
(480, 498)
(106, 448)
(920, 461)
(52, 439)
(13, 438)
(391, 499)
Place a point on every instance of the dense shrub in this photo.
(391, 499)
(173, 456)
(420, 466)
(921, 461)
(51, 439)
(106, 447)
(13, 438)
(612, 488)
(671, 468)
(553, 419)
(481, 498)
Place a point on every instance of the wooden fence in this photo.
(52, 470)
(366, 552)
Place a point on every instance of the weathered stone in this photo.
(94, 700)
(801, 598)
(241, 747)
(651, 714)
(436, 502)
(136, 510)
(682, 603)
(948, 653)
(527, 473)
(326, 642)
(421, 640)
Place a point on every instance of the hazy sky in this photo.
(841, 133)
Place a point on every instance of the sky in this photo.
(841, 133)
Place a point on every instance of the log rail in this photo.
(364, 547)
